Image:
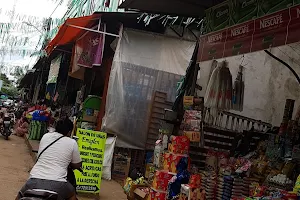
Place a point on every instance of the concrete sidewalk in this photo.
(110, 190)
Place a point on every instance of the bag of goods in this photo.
(192, 120)
(175, 160)
(167, 161)
(195, 181)
(211, 162)
(182, 177)
(127, 185)
(158, 154)
(297, 186)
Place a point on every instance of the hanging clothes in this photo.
(218, 94)
(238, 91)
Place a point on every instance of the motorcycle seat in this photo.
(46, 194)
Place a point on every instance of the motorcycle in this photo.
(6, 127)
(38, 194)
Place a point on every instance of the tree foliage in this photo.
(19, 73)
(5, 81)
(9, 86)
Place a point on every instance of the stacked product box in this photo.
(192, 191)
(177, 149)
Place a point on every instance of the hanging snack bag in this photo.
(211, 162)
(175, 160)
(167, 161)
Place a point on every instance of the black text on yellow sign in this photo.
(91, 146)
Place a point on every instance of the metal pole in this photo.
(96, 31)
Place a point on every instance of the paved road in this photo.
(15, 162)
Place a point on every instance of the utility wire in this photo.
(293, 60)
(285, 64)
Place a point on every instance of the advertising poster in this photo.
(294, 26)
(239, 39)
(270, 31)
(54, 69)
(91, 146)
(212, 45)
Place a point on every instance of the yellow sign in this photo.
(91, 146)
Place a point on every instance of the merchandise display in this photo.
(39, 123)
(265, 167)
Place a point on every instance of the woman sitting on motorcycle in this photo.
(50, 170)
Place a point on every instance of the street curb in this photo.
(27, 142)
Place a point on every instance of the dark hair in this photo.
(64, 126)
(25, 119)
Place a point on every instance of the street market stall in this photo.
(217, 152)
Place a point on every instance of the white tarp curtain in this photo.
(143, 63)
(108, 157)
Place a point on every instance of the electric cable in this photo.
(285, 64)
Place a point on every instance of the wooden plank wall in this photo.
(220, 130)
(156, 117)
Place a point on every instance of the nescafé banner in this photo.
(91, 146)
(277, 29)
(233, 12)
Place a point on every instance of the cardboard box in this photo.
(140, 194)
(242, 11)
(217, 17)
(179, 145)
(266, 7)
(188, 102)
(194, 136)
(89, 118)
(120, 168)
(161, 180)
(189, 193)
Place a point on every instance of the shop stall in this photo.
(221, 147)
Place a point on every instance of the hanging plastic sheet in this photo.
(108, 157)
(143, 63)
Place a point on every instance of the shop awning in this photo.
(188, 8)
(69, 31)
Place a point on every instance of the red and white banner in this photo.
(273, 30)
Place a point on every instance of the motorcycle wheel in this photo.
(6, 137)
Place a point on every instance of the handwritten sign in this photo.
(91, 146)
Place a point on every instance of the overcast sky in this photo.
(38, 8)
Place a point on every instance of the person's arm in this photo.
(76, 160)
